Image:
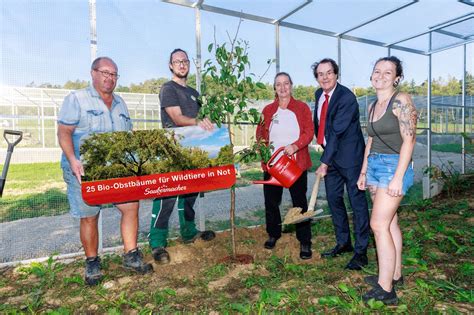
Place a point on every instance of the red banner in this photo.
(125, 189)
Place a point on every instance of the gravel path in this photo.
(39, 237)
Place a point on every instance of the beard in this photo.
(181, 76)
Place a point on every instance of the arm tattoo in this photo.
(407, 117)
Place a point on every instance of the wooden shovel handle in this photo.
(314, 193)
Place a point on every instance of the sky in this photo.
(47, 41)
(210, 141)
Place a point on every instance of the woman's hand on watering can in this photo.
(322, 170)
(290, 149)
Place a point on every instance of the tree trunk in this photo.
(232, 193)
(232, 220)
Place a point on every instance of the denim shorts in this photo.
(78, 208)
(381, 169)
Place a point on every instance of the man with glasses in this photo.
(96, 109)
(338, 131)
(179, 107)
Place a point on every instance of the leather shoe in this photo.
(338, 250)
(305, 251)
(270, 243)
(357, 262)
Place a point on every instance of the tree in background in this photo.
(304, 93)
(76, 85)
(469, 84)
(441, 86)
(225, 156)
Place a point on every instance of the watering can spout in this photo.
(272, 181)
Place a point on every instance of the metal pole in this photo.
(152, 114)
(93, 29)
(446, 120)
(470, 120)
(463, 113)
(428, 100)
(93, 47)
(13, 108)
(55, 112)
(366, 112)
(43, 139)
(339, 58)
(197, 13)
(144, 109)
(38, 113)
(277, 47)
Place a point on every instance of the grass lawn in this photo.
(33, 190)
(447, 147)
(48, 203)
(25, 177)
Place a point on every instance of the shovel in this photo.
(16, 137)
(294, 214)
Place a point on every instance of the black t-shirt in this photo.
(174, 94)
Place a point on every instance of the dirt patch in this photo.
(235, 273)
(451, 216)
(188, 259)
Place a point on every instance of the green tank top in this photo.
(385, 132)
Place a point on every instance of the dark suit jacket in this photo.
(344, 140)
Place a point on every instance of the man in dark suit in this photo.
(337, 129)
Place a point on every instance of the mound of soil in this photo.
(189, 259)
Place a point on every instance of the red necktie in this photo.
(322, 120)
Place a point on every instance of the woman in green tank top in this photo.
(387, 172)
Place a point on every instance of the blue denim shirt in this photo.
(86, 110)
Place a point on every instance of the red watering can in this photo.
(284, 172)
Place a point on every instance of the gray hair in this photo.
(95, 63)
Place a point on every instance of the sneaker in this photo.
(204, 235)
(93, 275)
(373, 280)
(133, 260)
(379, 294)
(160, 255)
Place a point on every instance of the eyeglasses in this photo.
(107, 74)
(180, 62)
(325, 74)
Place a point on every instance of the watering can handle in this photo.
(314, 193)
(275, 154)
